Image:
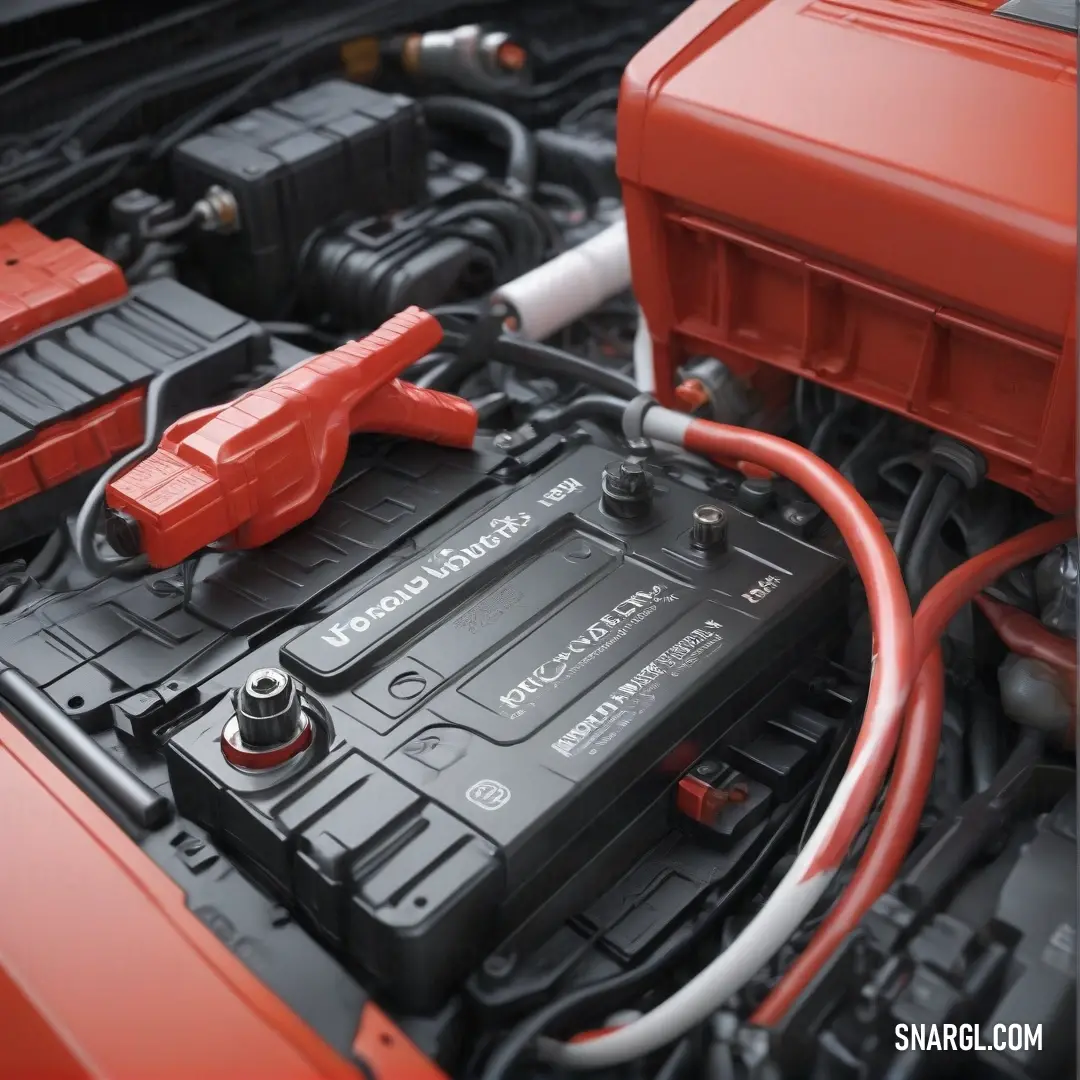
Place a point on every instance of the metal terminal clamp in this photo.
(270, 725)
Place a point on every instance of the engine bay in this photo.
(562, 550)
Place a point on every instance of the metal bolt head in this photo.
(218, 211)
(627, 478)
(499, 965)
(268, 708)
(709, 529)
(265, 690)
(503, 441)
(627, 488)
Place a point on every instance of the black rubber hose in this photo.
(374, 17)
(605, 993)
(588, 407)
(424, 367)
(917, 568)
(911, 518)
(803, 422)
(826, 430)
(526, 239)
(544, 360)
(504, 130)
(140, 802)
(48, 558)
(676, 1063)
(450, 372)
(983, 742)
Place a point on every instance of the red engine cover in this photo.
(878, 195)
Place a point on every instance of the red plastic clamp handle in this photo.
(252, 469)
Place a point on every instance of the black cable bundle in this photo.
(70, 161)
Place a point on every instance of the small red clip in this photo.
(701, 802)
(252, 469)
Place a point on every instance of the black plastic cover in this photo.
(366, 270)
(120, 649)
(72, 366)
(1054, 14)
(293, 167)
(77, 365)
(498, 710)
(647, 911)
(579, 159)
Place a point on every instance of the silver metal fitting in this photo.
(710, 529)
(217, 211)
(469, 56)
(271, 724)
(267, 708)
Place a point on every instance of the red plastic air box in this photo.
(876, 195)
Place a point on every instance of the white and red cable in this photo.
(903, 649)
(899, 822)
(890, 684)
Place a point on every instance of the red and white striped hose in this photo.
(915, 760)
(891, 680)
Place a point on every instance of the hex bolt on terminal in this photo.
(270, 726)
(627, 488)
(710, 528)
(268, 708)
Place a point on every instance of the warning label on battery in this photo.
(625, 702)
(591, 637)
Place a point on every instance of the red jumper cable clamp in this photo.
(248, 471)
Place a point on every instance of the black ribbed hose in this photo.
(504, 130)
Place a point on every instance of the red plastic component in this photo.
(1024, 635)
(588, 1036)
(701, 802)
(105, 973)
(691, 395)
(70, 448)
(252, 469)
(236, 753)
(877, 195)
(387, 1053)
(43, 280)
(691, 798)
